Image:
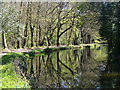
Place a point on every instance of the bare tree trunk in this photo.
(58, 29)
(48, 41)
(18, 44)
(31, 26)
(32, 35)
(58, 40)
(19, 20)
(25, 35)
(4, 43)
(39, 41)
(36, 38)
(89, 38)
(26, 28)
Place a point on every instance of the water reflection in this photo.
(74, 68)
(110, 77)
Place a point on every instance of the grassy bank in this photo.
(10, 79)
(55, 48)
(49, 49)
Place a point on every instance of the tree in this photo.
(62, 20)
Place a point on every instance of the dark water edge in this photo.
(89, 68)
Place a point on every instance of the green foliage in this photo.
(10, 57)
(10, 79)
(37, 50)
(110, 26)
(6, 59)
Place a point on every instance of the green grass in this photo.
(10, 79)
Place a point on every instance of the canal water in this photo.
(71, 68)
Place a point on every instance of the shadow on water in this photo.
(73, 68)
(110, 77)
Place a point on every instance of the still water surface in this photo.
(72, 68)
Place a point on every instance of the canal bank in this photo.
(45, 48)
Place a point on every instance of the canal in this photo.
(71, 68)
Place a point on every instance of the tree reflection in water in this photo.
(110, 77)
(74, 68)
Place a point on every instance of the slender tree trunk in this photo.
(89, 38)
(82, 37)
(39, 41)
(48, 42)
(25, 35)
(58, 34)
(18, 44)
(36, 38)
(32, 35)
(69, 37)
(4, 43)
(58, 27)
(19, 20)
(26, 27)
(58, 40)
